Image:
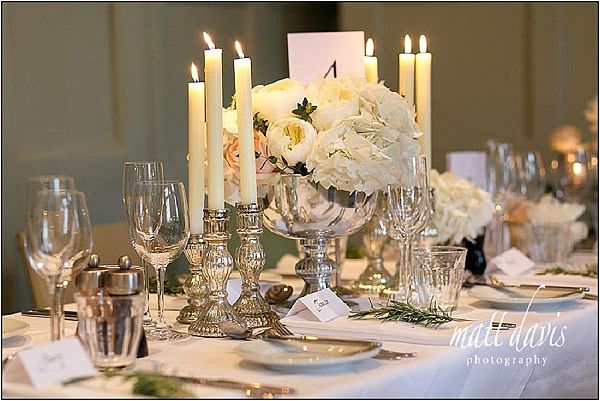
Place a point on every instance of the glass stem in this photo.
(57, 301)
(338, 262)
(405, 268)
(147, 315)
(160, 292)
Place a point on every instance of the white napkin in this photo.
(374, 329)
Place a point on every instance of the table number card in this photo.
(320, 306)
(52, 363)
(512, 262)
(314, 55)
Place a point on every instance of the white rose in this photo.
(277, 100)
(230, 120)
(390, 107)
(549, 210)
(292, 139)
(334, 100)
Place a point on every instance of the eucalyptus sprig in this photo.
(304, 110)
(396, 311)
(148, 383)
(591, 270)
(260, 124)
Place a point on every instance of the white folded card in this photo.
(468, 165)
(52, 363)
(512, 262)
(320, 306)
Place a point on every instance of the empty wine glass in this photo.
(409, 204)
(502, 185)
(35, 184)
(531, 175)
(134, 172)
(60, 239)
(161, 222)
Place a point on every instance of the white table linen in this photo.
(570, 370)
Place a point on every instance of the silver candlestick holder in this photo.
(196, 286)
(375, 277)
(218, 264)
(251, 307)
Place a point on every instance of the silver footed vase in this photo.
(218, 264)
(195, 286)
(253, 310)
(298, 208)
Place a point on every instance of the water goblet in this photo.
(162, 229)
(134, 172)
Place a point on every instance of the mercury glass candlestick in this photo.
(218, 264)
(375, 277)
(196, 286)
(251, 307)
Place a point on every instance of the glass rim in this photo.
(60, 191)
(440, 249)
(50, 176)
(159, 182)
(144, 162)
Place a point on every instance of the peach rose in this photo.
(264, 168)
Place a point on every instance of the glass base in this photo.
(207, 324)
(165, 334)
(372, 280)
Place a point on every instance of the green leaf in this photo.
(406, 312)
(260, 124)
(304, 110)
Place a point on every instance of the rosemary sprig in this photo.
(149, 384)
(396, 311)
(591, 270)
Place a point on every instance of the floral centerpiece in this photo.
(461, 209)
(340, 132)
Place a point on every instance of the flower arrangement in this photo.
(461, 209)
(341, 132)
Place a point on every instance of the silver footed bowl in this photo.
(298, 208)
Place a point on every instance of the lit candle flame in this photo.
(238, 48)
(423, 44)
(407, 44)
(195, 73)
(370, 47)
(577, 169)
(208, 41)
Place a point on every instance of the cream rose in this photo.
(334, 100)
(277, 100)
(292, 139)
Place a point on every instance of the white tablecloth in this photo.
(542, 371)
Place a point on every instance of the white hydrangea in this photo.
(461, 209)
(550, 210)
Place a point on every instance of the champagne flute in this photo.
(162, 229)
(409, 202)
(134, 172)
(60, 240)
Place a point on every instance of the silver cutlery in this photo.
(250, 389)
(69, 315)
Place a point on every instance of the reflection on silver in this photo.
(300, 209)
(195, 286)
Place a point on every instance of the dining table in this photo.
(551, 353)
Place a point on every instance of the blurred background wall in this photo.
(87, 87)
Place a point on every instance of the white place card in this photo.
(320, 306)
(468, 165)
(314, 55)
(512, 262)
(52, 363)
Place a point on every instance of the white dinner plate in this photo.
(519, 298)
(299, 355)
(13, 327)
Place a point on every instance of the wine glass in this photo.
(502, 185)
(134, 172)
(60, 241)
(409, 202)
(162, 229)
(34, 185)
(531, 175)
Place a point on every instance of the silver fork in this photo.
(280, 329)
